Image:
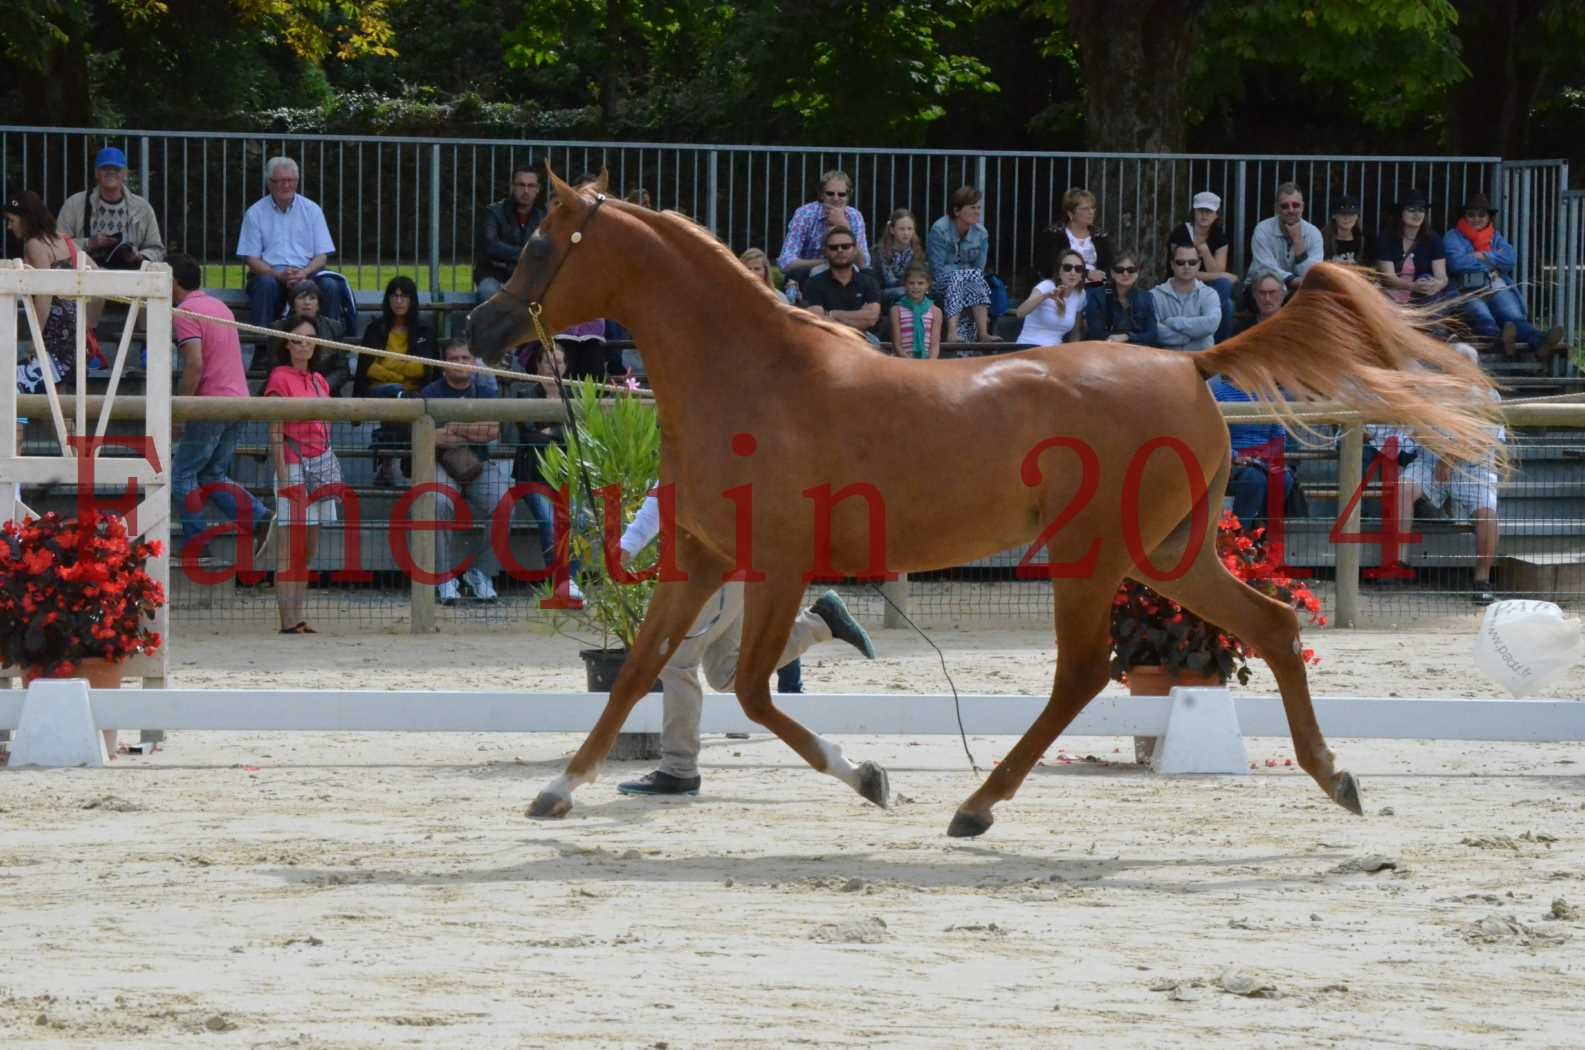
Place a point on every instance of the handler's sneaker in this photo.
(843, 627)
(446, 593)
(660, 783)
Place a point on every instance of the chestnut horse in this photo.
(1113, 457)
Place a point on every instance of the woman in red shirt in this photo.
(304, 466)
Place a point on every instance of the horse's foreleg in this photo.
(768, 614)
(1272, 628)
(1083, 617)
(672, 611)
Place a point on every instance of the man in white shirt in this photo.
(285, 241)
(1286, 244)
(713, 641)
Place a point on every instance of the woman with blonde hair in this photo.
(898, 250)
(758, 264)
(1078, 231)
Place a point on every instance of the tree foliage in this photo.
(1210, 75)
(826, 70)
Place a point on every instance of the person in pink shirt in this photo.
(302, 456)
(211, 366)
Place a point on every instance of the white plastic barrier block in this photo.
(1202, 735)
(56, 728)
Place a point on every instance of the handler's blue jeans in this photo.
(203, 458)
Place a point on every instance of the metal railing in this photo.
(417, 203)
(1540, 554)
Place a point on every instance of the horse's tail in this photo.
(1340, 339)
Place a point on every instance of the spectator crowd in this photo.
(922, 282)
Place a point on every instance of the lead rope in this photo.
(956, 706)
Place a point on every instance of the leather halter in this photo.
(572, 242)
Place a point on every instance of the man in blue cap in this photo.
(117, 228)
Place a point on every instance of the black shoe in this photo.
(843, 627)
(659, 783)
(1482, 594)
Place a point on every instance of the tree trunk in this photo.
(611, 64)
(60, 94)
(1134, 55)
(1489, 112)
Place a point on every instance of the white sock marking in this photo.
(837, 765)
(564, 785)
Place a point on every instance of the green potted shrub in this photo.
(618, 440)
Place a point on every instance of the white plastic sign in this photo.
(1523, 646)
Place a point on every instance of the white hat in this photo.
(1207, 200)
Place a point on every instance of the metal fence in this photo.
(416, 204)
(1536, 210)
(1540, 552)
(1571, 265)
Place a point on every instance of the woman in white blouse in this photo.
(1052, 311)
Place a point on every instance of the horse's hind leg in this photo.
(672, 611)
(769, 609)
(1272, 628)
(1083, 621)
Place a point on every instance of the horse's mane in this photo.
(718, 251)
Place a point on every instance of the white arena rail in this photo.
(1202, 728)
(859, 714)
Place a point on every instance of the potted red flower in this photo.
(75, 599)
(1157, 643)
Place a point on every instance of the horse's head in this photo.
(552, 271)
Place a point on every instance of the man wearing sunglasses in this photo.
(1187, 311)
(842, 292)
(802, 252)
(1286, 244)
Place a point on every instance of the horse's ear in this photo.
(559, 190)
(603, 183)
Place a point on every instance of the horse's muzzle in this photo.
(494, 327)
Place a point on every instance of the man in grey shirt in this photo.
(1285, 244)
(1187, 311)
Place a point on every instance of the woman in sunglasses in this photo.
(1119, 312)
(1410, 254)
(1053, 310)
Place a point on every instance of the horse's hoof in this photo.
(548, 806)
(1345, 792)
(966, 825)
(875, 785)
